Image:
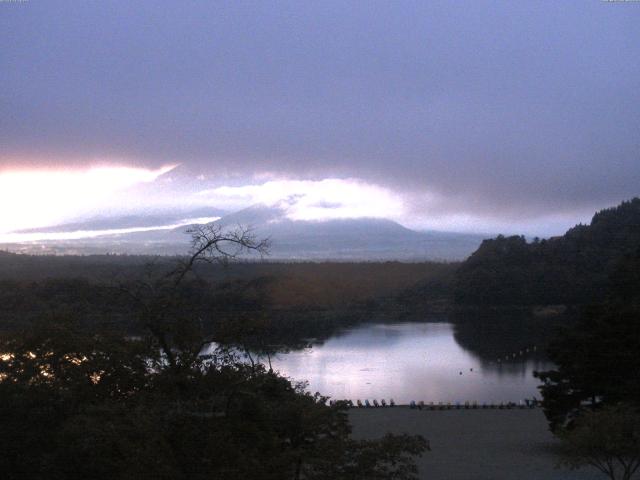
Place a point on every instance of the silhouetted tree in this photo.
(607, 439)
(597, 359)
(84, 404)
(169, 298)
(77, 401)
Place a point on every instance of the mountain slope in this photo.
(352, 239)
(361, 239)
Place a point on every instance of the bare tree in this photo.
(157, 295)
(211, 243)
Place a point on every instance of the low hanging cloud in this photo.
(326, 199)
(492, 115)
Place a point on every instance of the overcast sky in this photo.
(461, 115)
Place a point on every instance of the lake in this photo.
(413, 361)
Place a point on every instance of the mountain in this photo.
(361, 239)
(571, 269)
(348, 239)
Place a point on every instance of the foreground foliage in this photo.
(592, 398)
(78, 401)
(597, 358)
(87, 404)
(607, 439)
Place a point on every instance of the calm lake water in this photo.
(411, 361)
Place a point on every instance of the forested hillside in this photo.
(596, 358)
(571, 269)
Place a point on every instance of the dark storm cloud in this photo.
(504, 107)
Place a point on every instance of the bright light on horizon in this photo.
(34, 199)
(83, 234)
(38, 198)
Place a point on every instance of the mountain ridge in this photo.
(357, 239)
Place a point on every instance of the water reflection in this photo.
(412, 361)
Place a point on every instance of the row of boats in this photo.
(522, 404)
(526, 403)
(366, 404)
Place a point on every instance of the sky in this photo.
(483, 116)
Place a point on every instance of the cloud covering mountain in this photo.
(490, 113)
(359, 239)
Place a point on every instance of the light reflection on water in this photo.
(408, 361)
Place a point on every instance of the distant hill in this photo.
(360, 239)
(572, 269)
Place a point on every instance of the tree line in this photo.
(573, 269)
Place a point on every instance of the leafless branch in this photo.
(213, 244)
